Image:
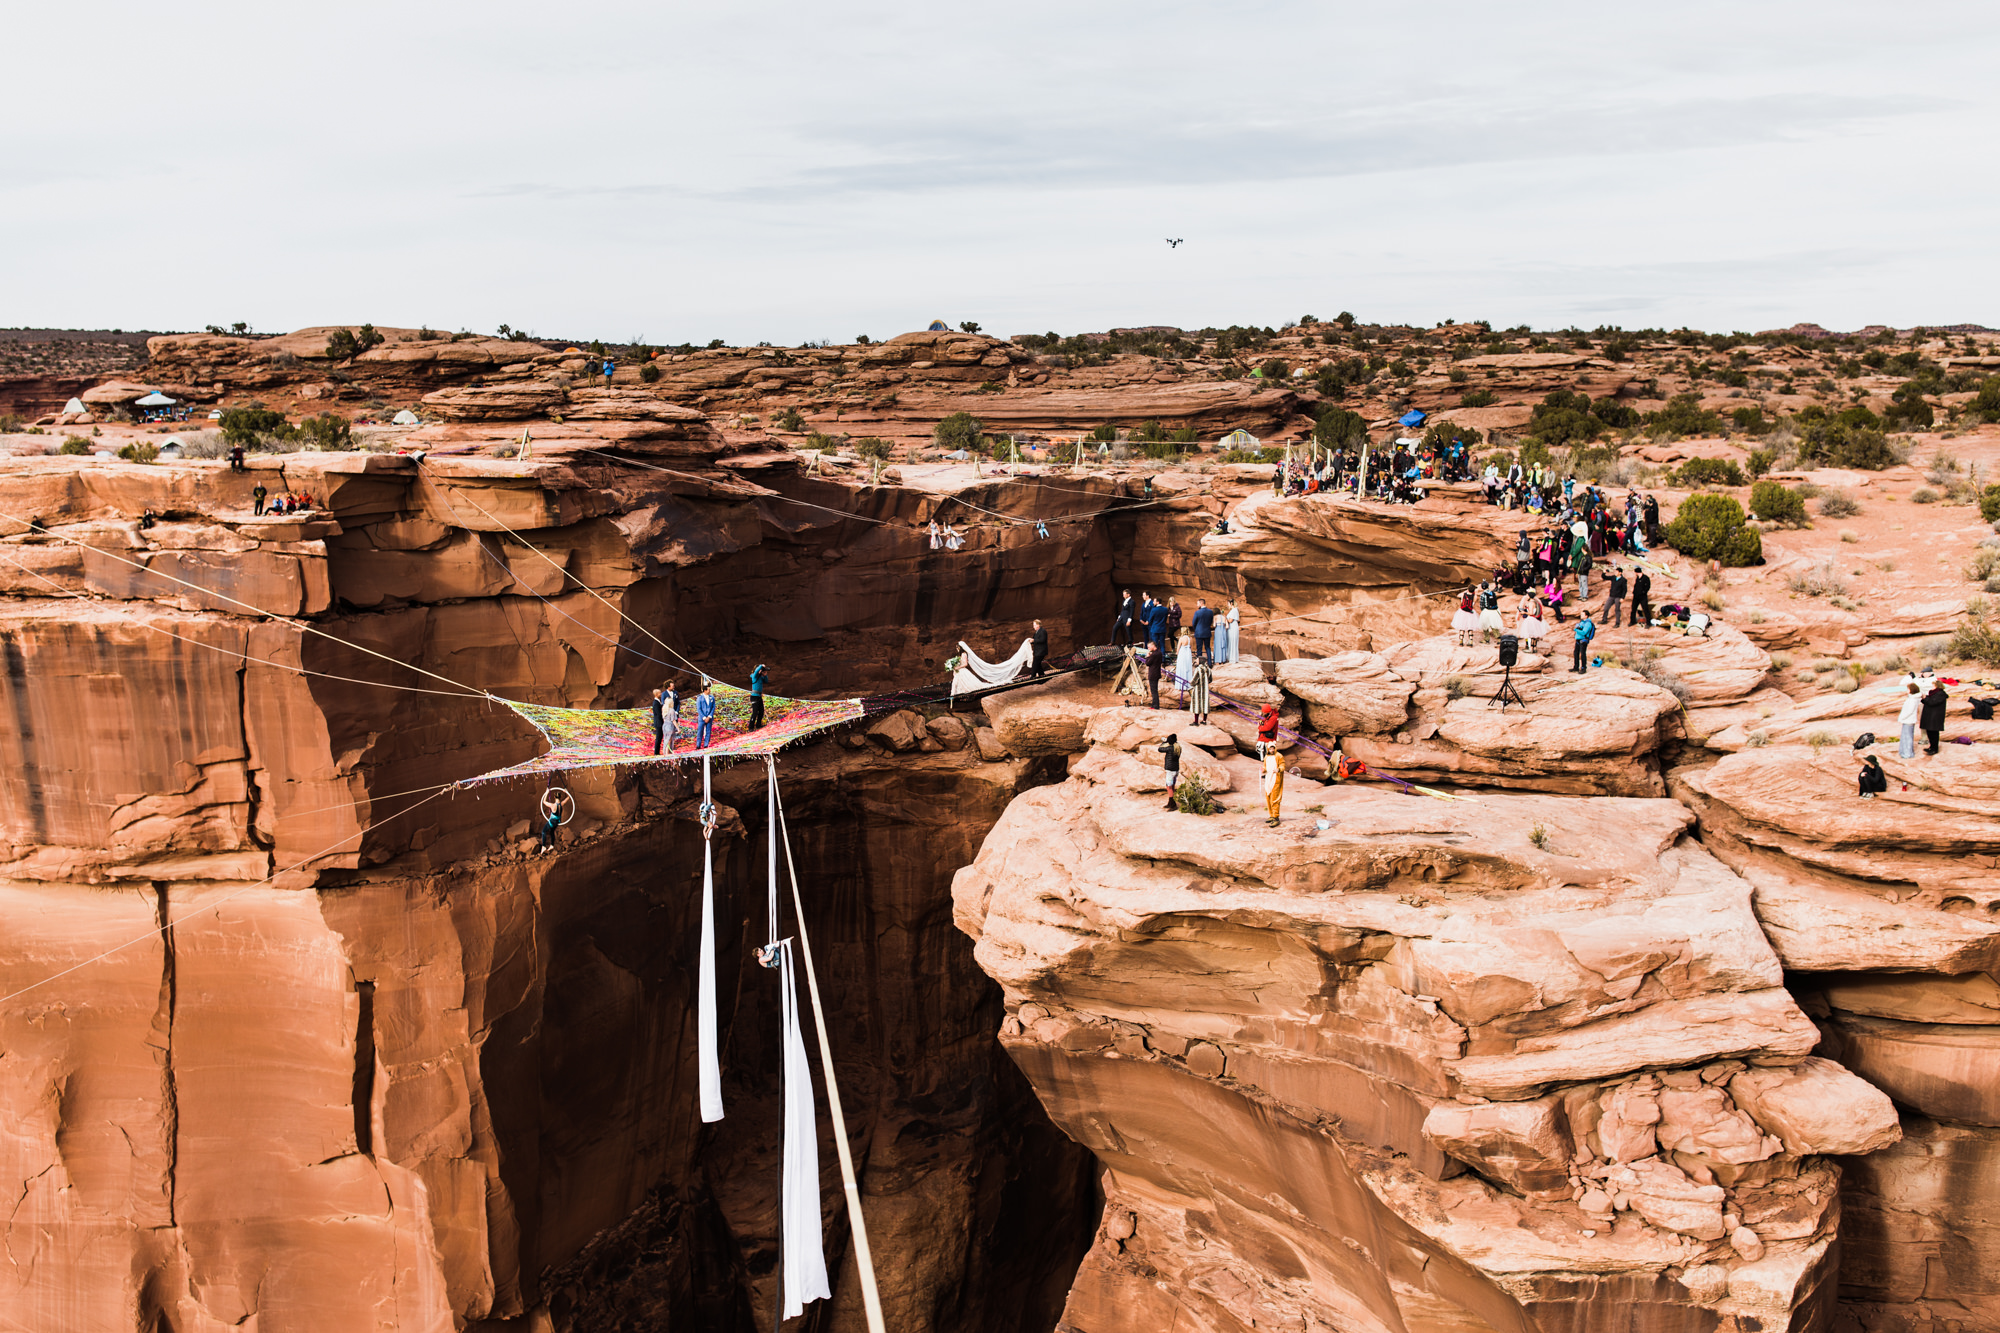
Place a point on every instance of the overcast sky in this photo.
(781, 171)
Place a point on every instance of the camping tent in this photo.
(1238, 439)
(1411, 418)
(939, 326)
(74, 407)
(405, 418)
(157, 399)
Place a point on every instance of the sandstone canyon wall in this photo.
(420, 1079)
(1693, 1053)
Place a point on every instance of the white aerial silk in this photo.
(801, 1243)
(975, 673)
(707, 1062)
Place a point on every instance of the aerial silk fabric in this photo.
(801, 1243)
(975, 673)
(708, 1063)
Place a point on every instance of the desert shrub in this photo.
(1781, 661)
(326, 431)
(1839, 504)
(790, 419)
(74, 444)
(1759, 462)
(1776, 501)
(1843, 442)
(1820, 739)
(249, 426)
(1850, 536)
(1275, 369)
(1750, 420)
(872, 446)
(1907, 408)
(1713, 601)
(1683, 415)
(1192, 797)
(1845, 685)
(1711, 527)
(1984, 562)
(1822, 578)
(1985, 405)
(1989, 497)
(960, 430)
(1443, 433)
(1539, 836)
(649, 373)
(1924, 495)
(1484, 398)
(1757, 740)
(1340, 428)
(1456, 688)
(139, 452)
(345, 344)
(1709, 472)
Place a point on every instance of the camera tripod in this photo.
(1507, 693)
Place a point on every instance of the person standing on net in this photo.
(704, 716)
(659, 718)
(1585, 632)
(757, 697)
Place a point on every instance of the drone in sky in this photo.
(1175, 240)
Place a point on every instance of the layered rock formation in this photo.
(296, 1038)
(1286, 1047)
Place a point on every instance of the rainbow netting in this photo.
(596, 738)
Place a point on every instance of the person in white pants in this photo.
(1913, 709)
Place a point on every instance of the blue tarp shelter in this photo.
(1411, 418)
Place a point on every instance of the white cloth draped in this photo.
(707, 1061)
(975, 673)
(801, 1243)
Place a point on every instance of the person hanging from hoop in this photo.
(553, 818)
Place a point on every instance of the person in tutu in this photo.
(1489, 609)
(1528, 622)
(1464, 623)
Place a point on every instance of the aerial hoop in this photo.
(563, 799)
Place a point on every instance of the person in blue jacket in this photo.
(1585, 632)
(704, 713)
(1156, 625)
(757, 697)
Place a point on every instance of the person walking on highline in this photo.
(704, 716)
(757, 697)
(1585, 632)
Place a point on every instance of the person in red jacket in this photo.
(1267, 725)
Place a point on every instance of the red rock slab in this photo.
(1950, 1071)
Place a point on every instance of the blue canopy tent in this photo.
(1411, 418)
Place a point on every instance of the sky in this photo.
(673, 173)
